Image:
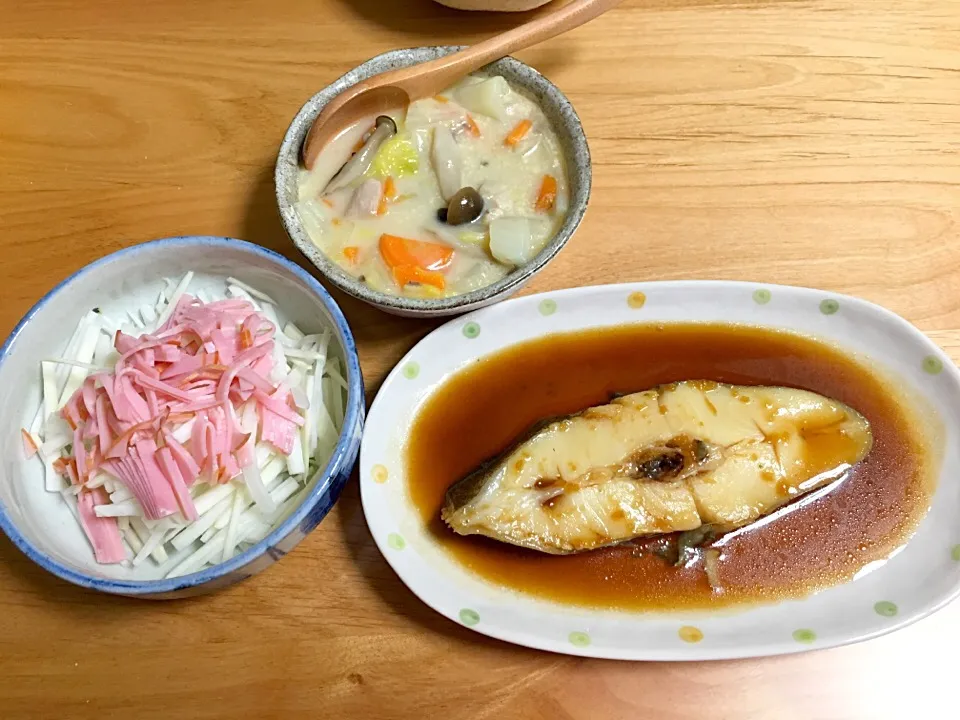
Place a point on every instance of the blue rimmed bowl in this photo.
(39, 522)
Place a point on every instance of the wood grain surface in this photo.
(807, 142)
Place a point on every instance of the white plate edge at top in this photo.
(638, 304)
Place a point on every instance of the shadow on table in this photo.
(383, 580)
(21, 574)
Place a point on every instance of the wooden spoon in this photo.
(396, 89)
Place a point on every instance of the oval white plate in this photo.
(914, 583)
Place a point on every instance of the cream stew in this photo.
(469, 185)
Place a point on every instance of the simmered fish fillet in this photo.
(669, 459)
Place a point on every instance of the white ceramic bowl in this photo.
(39, 522)
(915, 582)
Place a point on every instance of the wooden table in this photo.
(813, 143)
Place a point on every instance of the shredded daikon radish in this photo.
(98, 481)
(71, 351)
(144, 534)
(50, 394)
(120, 494)
(192, 533)
(302, 354)
(293, 332)
(252, 290)
(88, 342)
(251, 476)
(151, 545)
(182, 433)
(126, 508)
(295, 461)
(230, 543)
(129, 535)
(175, 298)
(92, 367)
(271, 314)
(69, 433)
(53, 481)
(54, 445)
(213, 530)
(337, 378)
(234, 291)
(148, 315)
(205, 502)
(309, 429)
(245, 524)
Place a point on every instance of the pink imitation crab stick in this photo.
(204, 365)
(102, 532)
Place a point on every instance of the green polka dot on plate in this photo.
(469, 617)
(885, 608)
(955, 552)
(761, 296)
(829, 306)
(471, 330)
(411, 370)
(804, 635)
(547, 307)
(579, 639)
(396, 542)
(932, 365)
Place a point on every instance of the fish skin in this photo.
(670, 459)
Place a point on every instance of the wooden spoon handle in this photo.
(436, 75)
(395, 88)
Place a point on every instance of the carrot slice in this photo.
(389, 188)
(382, 204)
(397, 251)
(547, 195)
(29, 446)
(472, 126)
(351, 252)
(406, 274)
(518, 133)
(328, 202)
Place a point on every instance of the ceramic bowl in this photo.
(559, 112)
(39, 522)
(917, 579)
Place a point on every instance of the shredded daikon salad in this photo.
(187, 431)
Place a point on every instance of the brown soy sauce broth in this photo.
(479, 412)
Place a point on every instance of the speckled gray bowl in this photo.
(555, 106)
